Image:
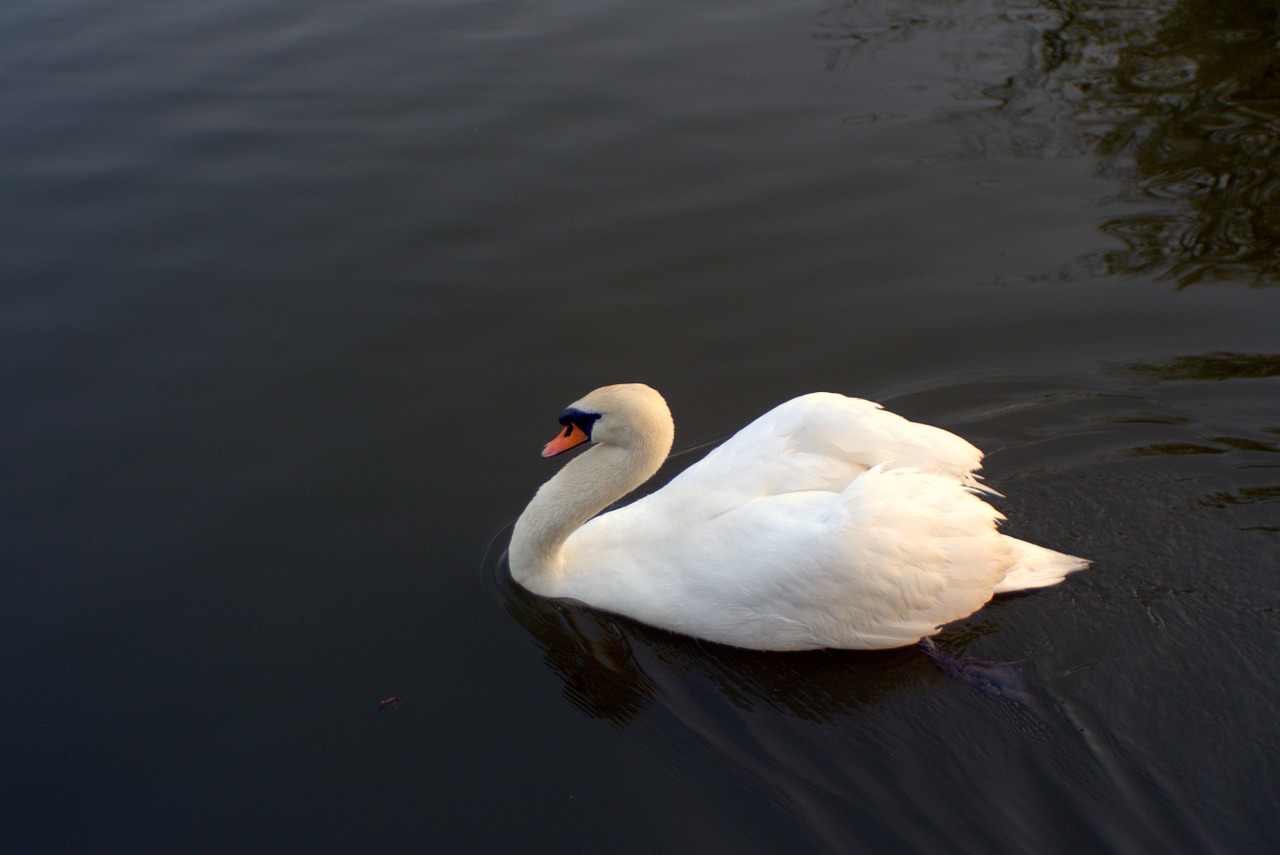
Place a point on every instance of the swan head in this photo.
(629, 416)
(630, 429)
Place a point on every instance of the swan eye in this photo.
(583, 421)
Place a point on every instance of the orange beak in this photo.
(572, 435)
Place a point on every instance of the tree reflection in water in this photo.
(1180, 101)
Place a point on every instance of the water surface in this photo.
(292, 297)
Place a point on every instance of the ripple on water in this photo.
(1041, 19)
(1189, 184)
(1228, 36)
(1254, 139)
(1162, 73)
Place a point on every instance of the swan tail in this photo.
(1037, 567)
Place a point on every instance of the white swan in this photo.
(826, 522)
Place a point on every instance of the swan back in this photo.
(821, 441)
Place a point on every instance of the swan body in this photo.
(826, 522)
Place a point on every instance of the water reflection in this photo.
(587, 650)
(614, 668)
(1252, 459)
(1218, 365)
(1202, 97)
(1180, 101)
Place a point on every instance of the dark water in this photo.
(293, 292)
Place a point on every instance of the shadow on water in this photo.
(1177, 101)
(605, 662)
(613, 667)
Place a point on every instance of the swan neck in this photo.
(583, 488)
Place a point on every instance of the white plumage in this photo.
(826, 522)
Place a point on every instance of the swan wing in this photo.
(821, 441)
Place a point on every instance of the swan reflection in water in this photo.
(615, 668)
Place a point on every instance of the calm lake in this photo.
(292, 294)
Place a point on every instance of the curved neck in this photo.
(585, 486)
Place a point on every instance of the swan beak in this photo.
(571, 436)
